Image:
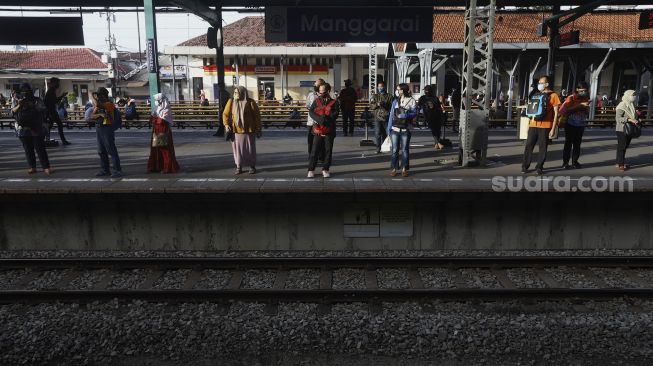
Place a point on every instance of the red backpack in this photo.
(322, 110)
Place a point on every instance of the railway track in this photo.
(462, 275)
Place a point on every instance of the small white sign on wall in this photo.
(396, 221)
(362, 221)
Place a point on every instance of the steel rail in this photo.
(317, 296)
(324, 262)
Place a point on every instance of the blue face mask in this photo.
(381, 90)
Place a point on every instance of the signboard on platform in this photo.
(41, 31)
(306, 83)
(646, 20)
(363, 24)
(372, 221)
(165, 72)
(265, 70)
(152, 64)
(568, 39)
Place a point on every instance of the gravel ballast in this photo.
(456, 332)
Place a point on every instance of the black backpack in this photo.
(30, 115)
(537, 106)
(432, 109)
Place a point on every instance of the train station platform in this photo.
(440, 206)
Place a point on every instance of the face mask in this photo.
(156, 103)
(632, 99)
(381, 90)
(236, 96)
(582, 94)
(541, 86)
(397, 93)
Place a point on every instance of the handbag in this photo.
(632, 130)
(159, 139)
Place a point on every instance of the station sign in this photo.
(356, 25)
(568, 39)
(152, 64)
(646, 20)
(41, 31)
(265, 70)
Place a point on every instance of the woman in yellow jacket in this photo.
(242, 122)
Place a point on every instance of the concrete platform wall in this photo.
(315, 221)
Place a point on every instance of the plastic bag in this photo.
(387, 145)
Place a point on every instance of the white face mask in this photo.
(156, 103)
(397, 93)
(541, 86)
(632, 99)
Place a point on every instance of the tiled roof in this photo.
(52, 59)
(250, 31)
(520, 28)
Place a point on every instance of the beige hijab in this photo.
(627, 106)
(238, 107)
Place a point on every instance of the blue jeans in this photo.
(402, 137)
(106, 145)
(380, 133)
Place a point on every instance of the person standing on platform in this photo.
(403, 110)
(52, 102)
(30, 113)
(575, 111)
(162, 149)
(104, 115)
(310, 98)
(324, 112)
(242, 122)
(347, 99)
(542, 126)
(625, 113)
(432, 109)
(380, 105)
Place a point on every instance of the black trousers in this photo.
(573, 138)
(31, 143)
(539, 137)
(348, 121)
(321, 143)
(436, 129)
(54, 118)
(623, 142)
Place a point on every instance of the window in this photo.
(259, 61)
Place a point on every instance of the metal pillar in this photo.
(152, 50)
(425, 57)
(477, 79)
(403, 63)
(511, 85)
(553, 35)
(373, 71)
(440, 75)
(594, 84)
(219, 58)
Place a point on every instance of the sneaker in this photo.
(393, 173)
(116, 175)
(325, 174)
(102, 173)
(252, 170)
(577, 165)
(310, 174)
(566, 166)
(238, 171)
(524, 171)
(539, 171)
